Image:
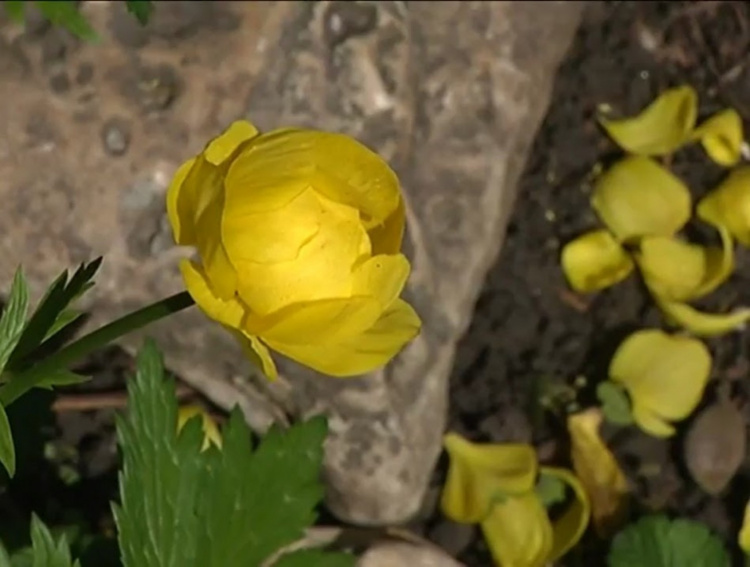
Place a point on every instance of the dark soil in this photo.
(530, 337)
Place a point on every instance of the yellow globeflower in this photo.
(298, 234)
(665, 376)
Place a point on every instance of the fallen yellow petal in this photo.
(721, 137)
(704, 324)
(568, 529)
(651, 423)
(729, 205)
(665, 375)
(661, 128)
(518, 532)
(599, 472)
(671, 268)
(744, 535)
(481, 473)
(595, 261)
(637, 197)
(210, 430)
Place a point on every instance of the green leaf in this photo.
(45, 550)
(615, 403)
(65, 13)
(550, 490)
(65, 318)
(48, 314)
(14, 9)
(232, 507)
(657, 541)
(316, 558)
(141, 9)
(13, 318)
(4, 557)
(7, 449)
(62, 377)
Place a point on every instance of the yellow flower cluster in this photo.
(298, 236)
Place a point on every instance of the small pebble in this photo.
(116, 136)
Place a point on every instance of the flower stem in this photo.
(28, 379)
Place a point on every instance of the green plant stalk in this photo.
(28, 379)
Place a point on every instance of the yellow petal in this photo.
(721, 136)
(280, 164)
(386, 238)
(383, 277)
(665, 375)
(676, 270)
(729, 205)
(599, 472)
(651, 423)
(637, 197)
(258, 354)
(661, 128)
(221, 148)
(518, 532)
(183, 231)
(704, 324)
(594, 261)
(303, 252)
(363, 353)
(481, 473)
(744, 535)
(211, 433)
(227, 312)
(719, 263)
(568, 529)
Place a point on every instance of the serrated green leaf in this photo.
(58, 297)
(181, 507)
(163, 481)
(262, 500)
(65, 13)
(65, 318)
(141, 9)
(316, 558)
(48, 551)
(614, 402)
(657, 541)
(550, 490)
(13, 318)
(7, 449)
(62, 377)
(14, 9)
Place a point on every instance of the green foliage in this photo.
(550, 490)
(141, 9)
(13, 318)
(657, 541)
(614, 402)
(45, 550)
(216, 508)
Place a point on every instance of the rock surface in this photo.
(399, 554)
(451, 93)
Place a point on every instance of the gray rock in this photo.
(116, 136)
(450, 93)
(399, 554)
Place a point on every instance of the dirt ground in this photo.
(530, 335)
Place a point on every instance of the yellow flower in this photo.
(744, 536)
(210, 430)
(664, 375)
(598, 470)
(298, 234)
(493, 485)
(661, 128)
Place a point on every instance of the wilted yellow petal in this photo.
(594, 261)
(704, 324)
(568, 529)
(651, 423)
(721, 136)
(598, 470)
(671, 268)
(257, 353)
(210, 430)
(665, 375)
(729, 205)
(481, 473)
(363, 353)
(637, 197)
(661, 128)
(518, 532)
(744, 535)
